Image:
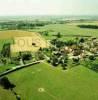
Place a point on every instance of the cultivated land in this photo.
(22, 40)
(10, 34)
(45, 82)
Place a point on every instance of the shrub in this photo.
(92, 57)
(6, 50)
(6, 83)
(58, 35)
(27, 56)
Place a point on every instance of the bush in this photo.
(40, 55)
(58, 35)
(57, 43)
(6, 83)
(15, 60)
(94, 67)
(92, 57)
(70, 42)
(54, 60)
(82, 40)
(76, 60)
(27, 56)
(64, 66)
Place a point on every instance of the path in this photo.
(18, 68)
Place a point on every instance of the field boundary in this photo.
(18, 68)
(75, 35)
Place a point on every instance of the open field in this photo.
(78, 83)
(68, 29)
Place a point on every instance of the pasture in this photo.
(68, 29)
(44, 82)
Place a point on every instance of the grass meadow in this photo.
(78, 83)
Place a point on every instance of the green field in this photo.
(78, 83)
(6, 67)
(68, 29)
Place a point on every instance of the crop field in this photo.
(22, 40)
(10, 34)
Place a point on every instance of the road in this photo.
(19, 67)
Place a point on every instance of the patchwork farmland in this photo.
(68, 70)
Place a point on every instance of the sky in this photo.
(48, 7)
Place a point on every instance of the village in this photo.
(78, 51)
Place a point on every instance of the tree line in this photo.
(89, 26)
(21, 25)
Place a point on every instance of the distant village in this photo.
(78, 51)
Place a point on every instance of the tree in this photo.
(26, 56)
(54, 60)
(46, 33)
(6, 83)
(64, 66)
(70, 42)
(92, 57)
(89, 26)
(6, 52)
(15, 60)
(53, 41)
(77, 52)
(82, 40)
(59, 44)
(76, 60)
(64, 61)
(4, 60)
(40, 55)
(58, 35)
